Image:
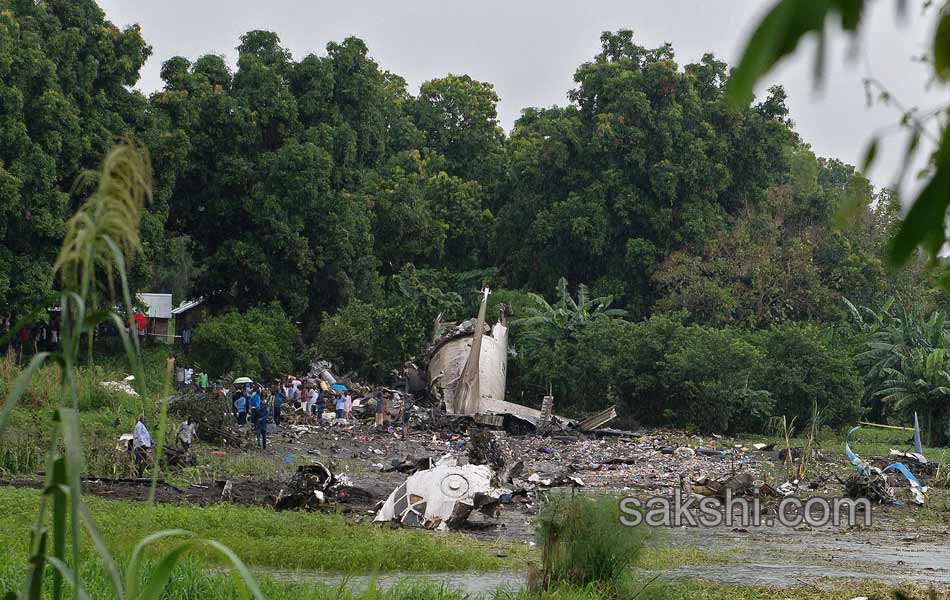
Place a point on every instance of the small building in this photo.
(187, 315)
(158, 309)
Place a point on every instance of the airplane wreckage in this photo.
(467, 373)
(467, 370)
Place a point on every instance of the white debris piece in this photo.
(911, 455)
(788, 488)
(684, 453)
(121, 386)
(443, 496)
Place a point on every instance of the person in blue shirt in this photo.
(240, 405)
(279, 398)
(255, 404)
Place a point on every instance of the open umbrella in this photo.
(243, 380)
(338, 387)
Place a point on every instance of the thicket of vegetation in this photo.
(260, 341)
(709, 234)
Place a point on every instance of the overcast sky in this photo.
(529, 49)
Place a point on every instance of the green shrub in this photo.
(657, 371)
(375, 337)
(707, 376)
(627, 356)
(583, 543)
(20, 454)
(372, 339)
(660, 372)
(803, 365)
(261, 343)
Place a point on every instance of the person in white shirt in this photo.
(186, 432)
(312, 400)
(141, 445)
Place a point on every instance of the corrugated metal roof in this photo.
(159, 305)
(186, 306)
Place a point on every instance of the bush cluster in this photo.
(260, 343)
(662, 372)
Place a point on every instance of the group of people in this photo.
(189, 377)
(141, 444)
(38, 337)
(252, 406)
(256, 405)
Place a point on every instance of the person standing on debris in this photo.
(279, 397)
(186, 432)
(340, 405)
(255, 404)
(380, 404)
(347, 405)
(141, 445)
(304, 401)
(293, 394)
(240, 405)
(311, 399)
(318, 407)
(260, 425)
(233, 396)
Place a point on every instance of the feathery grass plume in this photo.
(108, 220)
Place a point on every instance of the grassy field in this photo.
(286, 540)
(327, 543)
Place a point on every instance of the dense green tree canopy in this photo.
(301, 181)
(321, 191)
(65, 77)
(647, 159)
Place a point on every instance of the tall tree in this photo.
(459, 119)
(262, 168)
(65, 94)
(648, 159)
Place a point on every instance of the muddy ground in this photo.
(906, 543)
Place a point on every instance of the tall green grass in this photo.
(192, 580)
(20, 454)
(583, 544)
(263, 538)
(91, 272)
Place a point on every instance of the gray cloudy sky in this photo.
(529, 49)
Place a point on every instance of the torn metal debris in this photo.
(871, 482)
(738, 485)
(443, 496)
(598, 420)
(467, 368)
(312, 486)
